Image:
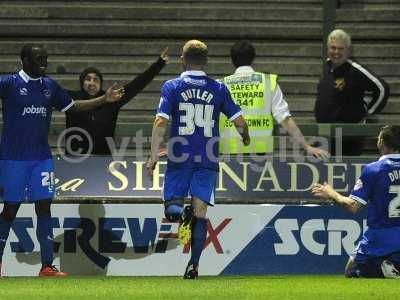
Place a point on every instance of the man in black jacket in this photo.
(99, 123)
(347, 92)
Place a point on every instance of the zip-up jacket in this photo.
(349, 93)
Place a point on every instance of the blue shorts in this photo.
(199, 183)
(27, 180)
(377, 243)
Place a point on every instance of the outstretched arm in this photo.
(141, 81)
(327, 192)
(281, 113)
(157, 139)
(290, 126)
(113, 94)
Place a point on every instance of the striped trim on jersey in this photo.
(374, 80)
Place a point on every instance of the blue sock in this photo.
(4, 232)
(173, 212)
(44, 232)
(199, 234)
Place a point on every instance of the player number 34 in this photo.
(196, 115)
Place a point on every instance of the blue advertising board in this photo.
(136, 239)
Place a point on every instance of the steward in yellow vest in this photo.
(253, 92)
(261, 100)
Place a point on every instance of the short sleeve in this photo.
(362, 190)
(280, 108)
(229, 108)
(166, 102)
(62, 101)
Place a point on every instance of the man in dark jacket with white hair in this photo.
(348, 92)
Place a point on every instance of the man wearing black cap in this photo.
(99, 123)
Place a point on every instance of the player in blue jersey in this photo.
(193, 102)
(378, 252)
(27, 171)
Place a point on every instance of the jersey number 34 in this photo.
(196, 115)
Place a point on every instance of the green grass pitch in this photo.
(220, 287)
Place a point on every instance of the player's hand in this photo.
(164, 55)
(113, 93)
(150, 166)
(246, 140)
(318, 153)
(163, 152)
(324, 191)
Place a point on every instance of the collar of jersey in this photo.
(244, 69)
(193, 73)
(393, 156)
(26, 77)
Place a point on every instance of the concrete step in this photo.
(161, 11)
(159, 29)
(153, 47)
(167, 2)
(216, 67)
(368, 31)
(392, 5)
(136, 65)
(370, 4)
(190, 11)
(378, 1)
(181, 29)
(382, 15)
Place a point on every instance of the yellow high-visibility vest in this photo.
(253, 92)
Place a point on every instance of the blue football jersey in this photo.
(27, 108)
(379, 187)
(194, 102)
